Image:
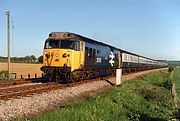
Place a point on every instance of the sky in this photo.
(149, 28)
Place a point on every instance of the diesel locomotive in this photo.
(72, 57)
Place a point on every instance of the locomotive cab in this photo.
(63, 53)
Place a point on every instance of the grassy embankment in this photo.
(176, 79)
(146, 98)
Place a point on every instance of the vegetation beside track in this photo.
(3, 75)
(146, 98)
(176, 79)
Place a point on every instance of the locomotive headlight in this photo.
(57, 54)
(47, 55)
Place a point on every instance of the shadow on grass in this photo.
(145, 117)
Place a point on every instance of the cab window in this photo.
(77, 45)
(52, 44)
(66, 44)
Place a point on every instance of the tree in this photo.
(40, 59)
(33, 58)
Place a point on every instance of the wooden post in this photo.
(29, 76)
(8, 39)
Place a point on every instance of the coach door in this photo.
(90, 56)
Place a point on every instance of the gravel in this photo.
(27, 106)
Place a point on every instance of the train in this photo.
(72, 57)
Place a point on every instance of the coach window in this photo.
(125, 58)
(94, 55)
(98, 51)
(90, 53)
(86, 53)
(86, 49)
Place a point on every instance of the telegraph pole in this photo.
(8, 41)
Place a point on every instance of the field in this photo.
(23, 69)
(146, 98)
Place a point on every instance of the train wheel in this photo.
(68, 78)
(55, 77)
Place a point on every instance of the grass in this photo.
(142, 99)
(176, 79)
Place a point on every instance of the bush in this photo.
(3, 74)
(171, 68)
(150, 93)
(177, 114)
(168, 84)
(40, 59)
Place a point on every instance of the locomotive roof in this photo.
(58, 35)
(122, 51)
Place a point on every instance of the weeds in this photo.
(3, 75)
(171, 68)
(150, 93)
(168, 84)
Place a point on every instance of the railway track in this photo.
(11, 89)
(25, 91)
(8, 83)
